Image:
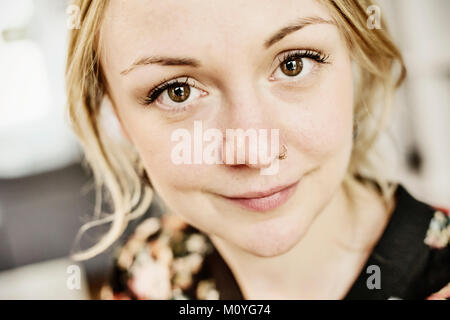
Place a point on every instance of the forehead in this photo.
(195, 27)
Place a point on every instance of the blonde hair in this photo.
(117, 169)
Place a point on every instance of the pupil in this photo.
(179, 91)
(292, 65)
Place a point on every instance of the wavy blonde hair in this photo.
(117, 169)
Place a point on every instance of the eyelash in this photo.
(315, 55)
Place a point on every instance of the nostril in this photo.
(239, 166)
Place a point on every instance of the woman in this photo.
(315, 217)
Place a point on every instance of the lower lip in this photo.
(266, 203)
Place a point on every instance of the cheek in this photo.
(327, 129)
(323, 123)
(154, 145)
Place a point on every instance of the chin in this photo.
(271, 238)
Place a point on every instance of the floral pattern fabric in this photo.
(163, 259)
(438, 234)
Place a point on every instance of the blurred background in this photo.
(46, 194)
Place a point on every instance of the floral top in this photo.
(165, 258)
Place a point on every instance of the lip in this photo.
(262, 201)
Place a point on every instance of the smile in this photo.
(264, 200)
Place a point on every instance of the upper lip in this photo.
(261, 194)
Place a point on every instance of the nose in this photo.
(254, 148)
(252, 132)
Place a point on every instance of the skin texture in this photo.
(239, 85)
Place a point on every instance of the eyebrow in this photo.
(192, 62)
(296, 25)
(163, 61)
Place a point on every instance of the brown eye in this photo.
(179, 93)
(292, 67)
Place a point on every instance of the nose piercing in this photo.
(283, 154)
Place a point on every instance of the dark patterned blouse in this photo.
(165, 258)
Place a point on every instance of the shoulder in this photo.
(414, 248)
(164, 258)
(425, 222)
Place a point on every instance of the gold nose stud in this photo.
(283, 153)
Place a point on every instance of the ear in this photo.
(114, 125)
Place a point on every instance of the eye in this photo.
(173, 95)
(298, 64)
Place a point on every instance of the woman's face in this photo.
(248, 64)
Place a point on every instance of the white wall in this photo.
(34, 135)
(423, 114)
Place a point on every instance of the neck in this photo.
(324, 263)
